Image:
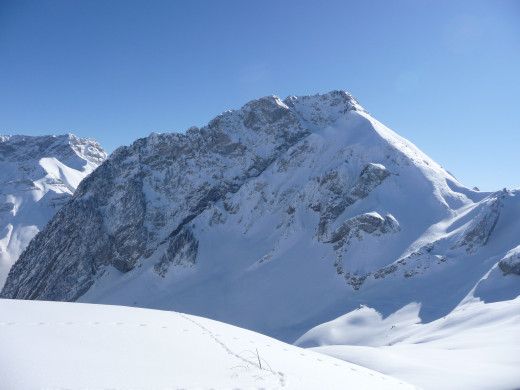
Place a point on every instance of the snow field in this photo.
(475, 347)
(78, 346)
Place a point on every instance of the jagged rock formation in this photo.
(510, 264)
(275, 217)
(37, 176)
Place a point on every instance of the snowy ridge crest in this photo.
(26, 148)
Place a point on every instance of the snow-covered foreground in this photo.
(78, 346)
(477, 346)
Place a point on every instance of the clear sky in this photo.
(444, 74)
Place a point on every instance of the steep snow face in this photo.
(37, 176)
(276, 217)
(50, 345)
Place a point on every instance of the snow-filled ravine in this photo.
(48, 345)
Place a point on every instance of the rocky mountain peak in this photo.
(26, 148)
(88, 149)
(38, 174)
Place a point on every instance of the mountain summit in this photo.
(276, 217)
(37, 176)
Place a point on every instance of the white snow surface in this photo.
(475, 347)
(49, 345)
(37, 176)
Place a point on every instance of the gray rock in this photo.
(181, 251)
(479, 231)
(510, 265)
(342, 196)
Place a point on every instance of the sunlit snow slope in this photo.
(49, 345)
(475, 347)
(37, 176)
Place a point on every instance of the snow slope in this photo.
(48, 345)
(475, 347)
(37, 176)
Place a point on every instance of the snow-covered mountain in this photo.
(54, 345)
(37, 176)
(277, 217)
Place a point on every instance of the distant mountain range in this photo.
(276, 217)
(37, 176)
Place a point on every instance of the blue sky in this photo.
(444, 74)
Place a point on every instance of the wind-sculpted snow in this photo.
(37, 176)
(275, 217)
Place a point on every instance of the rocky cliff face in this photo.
(37, 176)
(275, 217)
